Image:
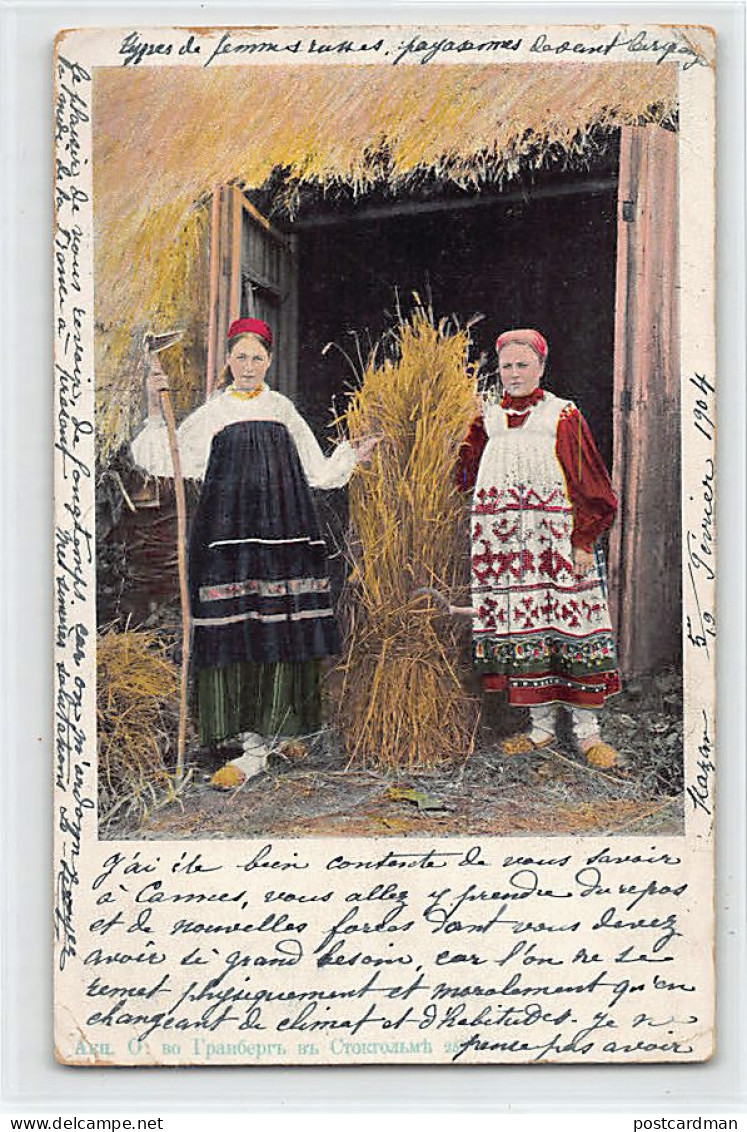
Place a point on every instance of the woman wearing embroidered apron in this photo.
(542, 498)
(259, 585)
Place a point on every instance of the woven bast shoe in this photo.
(524, 744)
(249, 765)
(604, 756)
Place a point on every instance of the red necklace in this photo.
(519, 405)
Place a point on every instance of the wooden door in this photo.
(645, 543)
(252, 274)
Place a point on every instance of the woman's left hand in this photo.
(583, 561)
(363, 447)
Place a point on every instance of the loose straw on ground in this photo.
(137, 706)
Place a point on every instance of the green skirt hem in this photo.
(272, 699)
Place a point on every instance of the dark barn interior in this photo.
(547, 260)
(543, 256)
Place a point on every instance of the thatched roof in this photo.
(164, 136)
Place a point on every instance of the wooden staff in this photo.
(154, 344)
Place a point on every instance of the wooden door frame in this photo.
(646, 405)
(228, 212)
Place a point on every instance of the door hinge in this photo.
(628, 211)
(626, 401)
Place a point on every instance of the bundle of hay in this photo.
(400, 701)
(173, 295)
(137, 706)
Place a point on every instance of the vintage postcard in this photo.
(384, 548)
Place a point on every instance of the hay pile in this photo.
(171, 282)
(137, 706)
(400, 702)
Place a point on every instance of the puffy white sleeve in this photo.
(321, 471)
(150, 448)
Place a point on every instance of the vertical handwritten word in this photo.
(702, 413)
(699, 791)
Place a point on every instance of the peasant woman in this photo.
(542, 498)
(259, 585)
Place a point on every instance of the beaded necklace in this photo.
(247, 394)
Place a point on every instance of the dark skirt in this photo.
(259, 588)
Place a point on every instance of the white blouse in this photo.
(150, 448)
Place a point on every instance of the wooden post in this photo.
(214, 252)
(181, 550)
(645, 543)
(236, 214)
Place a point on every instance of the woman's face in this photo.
(248, 360)
(520, 369)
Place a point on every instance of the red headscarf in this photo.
(251, 326)
(531, 338)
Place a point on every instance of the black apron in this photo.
(258, 573)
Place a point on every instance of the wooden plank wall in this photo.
(645, 544)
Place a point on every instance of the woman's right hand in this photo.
(363, 447)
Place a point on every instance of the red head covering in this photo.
(531, 338)
(251, 326)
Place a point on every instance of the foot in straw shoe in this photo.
(601, 755)
(251, 763)
(527, 742)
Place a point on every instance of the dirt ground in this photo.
(552, 791)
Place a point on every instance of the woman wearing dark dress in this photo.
(258, 578)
